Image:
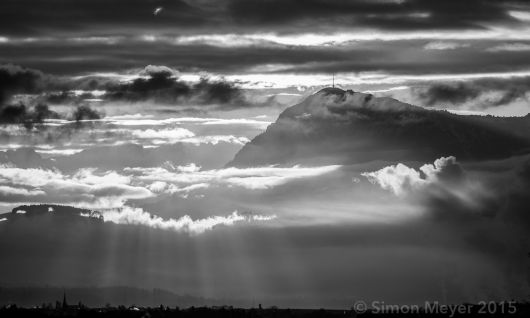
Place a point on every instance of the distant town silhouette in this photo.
(63, 307)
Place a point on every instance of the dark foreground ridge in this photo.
(334, 126)
(63, 211)
(64, 310)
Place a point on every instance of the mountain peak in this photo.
(332, 91)
(334, 126)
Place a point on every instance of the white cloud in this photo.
(175, 135)
(84, 188)
(109, 191)
(267, 80)
(60, 152)
(520, 15)
(269, 39)
(390, 89)
(96, 39)
(238, 121)
(91, 215)
(154, 69)
(187, 189)
(157, 10)
(347, 38)
(214, 140)
(396, 178)
(401, 179)
(147, 121)
(11, 191)
(93, 189)
(510, 47)
(157, 187)
(170, 135)
(188, 168)
(136, 216)
(264, 80)
(138, 129)
(257, 178)
(257, 217)
(88, 176)
(443, 45)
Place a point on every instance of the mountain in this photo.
(335, 126)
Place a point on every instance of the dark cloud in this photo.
(382, 14)
(445, 93)
(27, 18)
(63, 57)
(162, 86)
(479, 204)
(516, 201)
(15, 79)
(85, 113)
(474, 200)
(21, 114)
(13, 114)
(505, 91)
(42, 111)
(456, 194)
(105, 37)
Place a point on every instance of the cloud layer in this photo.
(135, 216)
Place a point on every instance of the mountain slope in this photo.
(337, 126)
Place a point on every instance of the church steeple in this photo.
(65, 304)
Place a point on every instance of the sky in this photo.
(409, 47)
(172, 120)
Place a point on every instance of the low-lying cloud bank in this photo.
(84, 188)
(136, 216)
(171, 178)
(111, 192)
